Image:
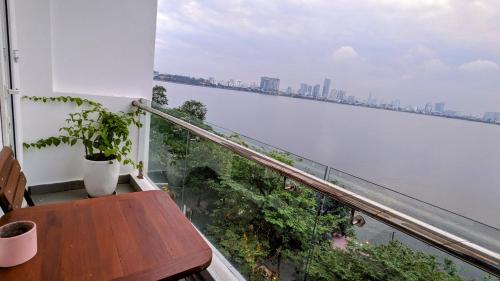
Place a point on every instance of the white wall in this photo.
(103, 47)
(97, 49)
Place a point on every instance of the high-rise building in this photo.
(341, 95)
(289, 90)
(371, 101)
(303, 89)
(491, 117)
(396, 104)
(439, 107)
(333, 94)
(326, 88)
(428, 107)
(268, 84)
(316, 91)
(309, 90)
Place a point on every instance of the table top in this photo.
(133, 236)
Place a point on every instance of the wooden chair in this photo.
(12, 182)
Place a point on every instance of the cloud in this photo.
(344, 53)
(435, 66)
(409, 4)
(479, 66)
(406, 76)
(392, 46)
(422, 52)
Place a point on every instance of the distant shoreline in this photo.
(282, 94)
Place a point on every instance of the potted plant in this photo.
(104, 135)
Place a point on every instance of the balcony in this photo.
(267, 214)
(272, 213)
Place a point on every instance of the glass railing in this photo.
(271, 227)
(471, 230)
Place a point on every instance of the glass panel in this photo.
(272, 227)
(468, 229)
(301, 163)
(260, 221)
(167, 157)
(378, 252)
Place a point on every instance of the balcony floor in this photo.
(75, 194)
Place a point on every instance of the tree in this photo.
(194, 108)
(393, 261)
(259, 220)
(262, 221)
(159, 96)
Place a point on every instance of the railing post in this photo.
(327, 173)
(143, 146)
(185, 170)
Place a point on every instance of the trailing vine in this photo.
(104, 134)
(63, 99)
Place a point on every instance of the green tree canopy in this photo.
(194, 108)
(159, 95)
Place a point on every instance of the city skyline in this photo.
(409, 50)
(271, 86)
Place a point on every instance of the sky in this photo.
(416, 51)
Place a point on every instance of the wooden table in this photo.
(133, 236)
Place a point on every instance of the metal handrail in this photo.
(461, 248)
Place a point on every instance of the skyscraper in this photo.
(371, 101)
(326, 88)
(439, 107)
(333, 94)
(396, 104)
(491, 117)
(341, 95)
(303, 89)
(428, 107)
(268, 84)
(316, 91)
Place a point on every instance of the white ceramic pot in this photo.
(100, 177)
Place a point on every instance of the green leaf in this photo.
(101, 130)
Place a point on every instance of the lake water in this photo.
(451, 163)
